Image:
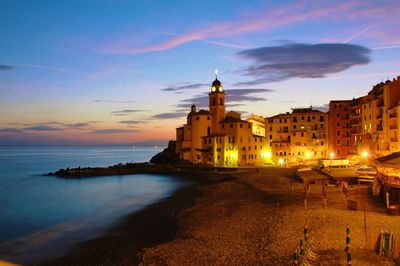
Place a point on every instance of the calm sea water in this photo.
(37, 211)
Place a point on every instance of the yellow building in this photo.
(215, 138)
(278, 137)
(298, 137)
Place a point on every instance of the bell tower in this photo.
(216, 103)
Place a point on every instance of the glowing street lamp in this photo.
(266, 154)
(331, 156)
(281, 161)
(365, 155)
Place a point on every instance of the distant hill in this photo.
(71, 143)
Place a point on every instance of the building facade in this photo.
(217, 138)
(352, 129)
(298, 137)
(373, 121)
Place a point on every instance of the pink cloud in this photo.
(290, 14)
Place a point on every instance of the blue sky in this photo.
(93, 72)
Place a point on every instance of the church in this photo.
(214, 137)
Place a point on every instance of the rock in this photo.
(168, 155)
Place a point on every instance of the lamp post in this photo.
(365, 156)
(331, 156)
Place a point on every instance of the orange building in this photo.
(340, 139)
(373, 122)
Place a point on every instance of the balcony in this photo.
(393, 139)
(379, 128)
(380, 116)
(393, 126)
(380, 103)
(393, 115)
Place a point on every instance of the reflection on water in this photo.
(41, 213)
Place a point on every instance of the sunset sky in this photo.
(101, 72)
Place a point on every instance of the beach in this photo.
(251, 216)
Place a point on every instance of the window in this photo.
(213, 102)
(231, 125)
(294, 134)
(220, 101)
(197, 118)
(241, 125)
(302, 134)
(208, 118)
(338, 133)
(294, 126)
(337, 115)
(255, 147)
(270, 136)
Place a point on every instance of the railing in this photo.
(393, 115)
(393, 139)
(393, 126)
(379, 116)
(379, 128)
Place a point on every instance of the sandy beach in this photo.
(244, 217)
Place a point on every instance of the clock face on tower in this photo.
(213, 89)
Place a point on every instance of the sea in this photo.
(43, 216)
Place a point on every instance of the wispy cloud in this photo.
(232, 97)
(115, 131)
(50, 68)
(10, 130)
(266, 20)
(297, 60)
(41, 128)
(169, 115)
(186, 86)
(6, 68)
(132, 122)
(126, 112)
(52, 126)
(112, 101)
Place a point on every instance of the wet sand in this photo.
(244, 217)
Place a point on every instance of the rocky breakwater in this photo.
(165, 162)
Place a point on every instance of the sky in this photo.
(115, 72)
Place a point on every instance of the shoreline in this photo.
(245, 217)
(148, 227)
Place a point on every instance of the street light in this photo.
(364, 155)
(331, 155)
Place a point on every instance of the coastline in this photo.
(153, 225)
(250, 216)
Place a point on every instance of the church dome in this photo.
(216, 86)
(216, 83)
